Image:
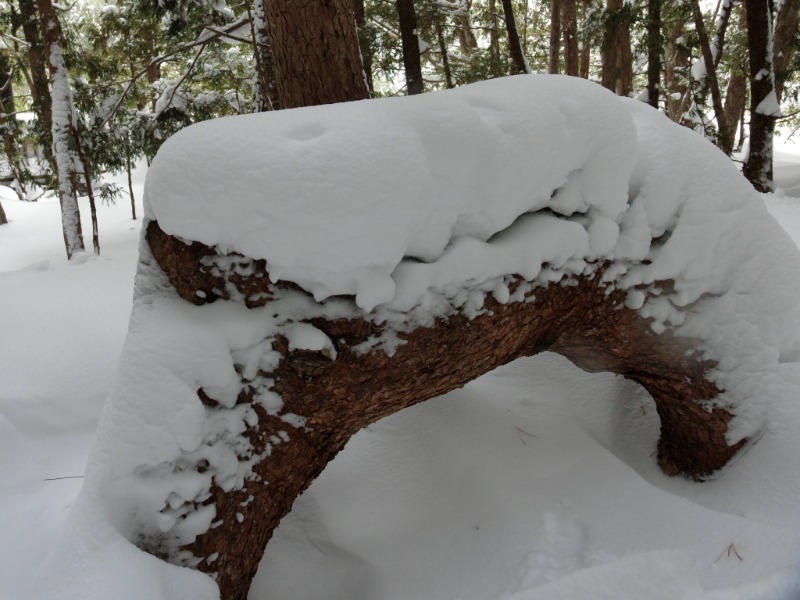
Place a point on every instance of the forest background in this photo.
(88, 89)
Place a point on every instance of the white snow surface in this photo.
(535, 481)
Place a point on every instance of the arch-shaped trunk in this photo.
(335, 392)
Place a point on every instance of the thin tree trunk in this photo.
(63, 119)
(494, 40)
(328, 69)
(518, 62)
(448, 75)
(675, 61)
(710, 82)
(784, 42)
(655, 43)
(735, 100)
(763, 100)
(130, 186)
(410, 41)
(261, 93)
(570, 27)
(463, 23)
(8, 125)
(586, 45)
(3, 219)
(555, 36)
(364, 43)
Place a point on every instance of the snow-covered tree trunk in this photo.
(315, 49)
(764, 108)
(343, 389)
(63, 122)
(410, 42)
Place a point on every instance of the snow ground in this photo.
(537, 481)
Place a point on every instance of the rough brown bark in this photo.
(40, 92)
(466, 37)
(410, 41)
(783, 42)
(448, 74)
(570, 26)
(555, 37)
(315, 49)
(518, 64)
(338, 397)
(676, 59)
(3, 218)
(758, 166)
(735, 100)
(617, 73)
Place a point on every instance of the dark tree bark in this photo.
(555, 36)
(570, 27)
(758, 166)
(494, 41)
(315, 49)
(340, 396)
(784, 42)
(617, 74)
(448, 74)
(676, 59)
(410, 41)
(3, 219)
(585, 53)
(518, 64)
(735, 100)
(40, 91)
(655, 44)
(724, 137)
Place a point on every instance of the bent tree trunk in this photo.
(341, 391)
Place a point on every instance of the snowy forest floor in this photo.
(537, 481)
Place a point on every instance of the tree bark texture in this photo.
(655, 43)
(735, 101)
(40, 91)
(3, 218)
(315, 48)
(518, 63)
(63, 130)
(617, 73)
(410, 41)
(570, 28)
(758, 166)
(555, 37)
(461, 19)
(9, 128)
(724, 137)
(339, 396)
(676, 59)
(784, 42)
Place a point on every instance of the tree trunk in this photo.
(339, 396)
(461, 19)
(555, 36)
(315, 49)
(40, 90)
(518, 63)
(62, 128)
(735, 98)
(128, 168)
(364, 43)
(763, 101)
(448, 74)
(570, 26)
(710, 82)
(410, 41)
(617, 74)
(3, 219)
(494, 41)
(676, 60)
(9, 127)
(655, 43)
(784, 43)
